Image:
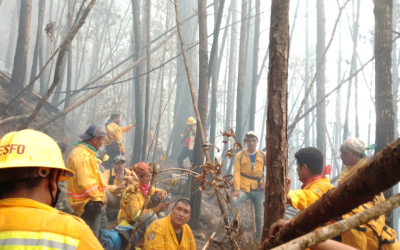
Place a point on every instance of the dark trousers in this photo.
(186, 152)
(111, 153)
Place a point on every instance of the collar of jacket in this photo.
(111, 121)
(172, 231)
(23, 202)
(311, 179)
(86, 145)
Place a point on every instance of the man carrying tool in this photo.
(86, 189)
(31, 168)
(187, 137)
(171, 232)
(116, 180)
(249, 179)
(113, 141)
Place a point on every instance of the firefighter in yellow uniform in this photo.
(113, 141)
(86, 189)
(31, 168)
(171, 232)
(133, 199)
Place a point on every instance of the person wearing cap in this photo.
(113, 141)
(171, 232)
(86, 189)
(134, 196)
(187, 137)
(248, 179)
(31, 168)
(116, 181)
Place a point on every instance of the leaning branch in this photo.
(377, 176)
(333, 230)
(13, 118)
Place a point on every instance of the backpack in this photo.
(117, 238)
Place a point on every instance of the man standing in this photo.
(249, 179)
(113, 141)
(86, 189)
(171, 232)
(187, 137)
(31, 169)
(116, 181)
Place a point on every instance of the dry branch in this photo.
(87, 97)
(194, 101)
(13, 118)
(381, 173)
(333, 230)
(57, 72)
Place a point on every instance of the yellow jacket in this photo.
(301, 199)
(132, 202)
(113, 187)
(88, 183)
(114, 133)
(243, 165)
(161, 235)
(35, 226)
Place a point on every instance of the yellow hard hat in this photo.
(31, 148)
(105, 158)
(191, 121)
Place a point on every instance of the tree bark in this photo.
(321, 116)
(381, 173)
(137, 145)
(277, 147)
(383, 80)
(241, 71)
(21, 53)
(255, 67)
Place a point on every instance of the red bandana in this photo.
(144, 188)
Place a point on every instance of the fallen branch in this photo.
(333, 230)
(208, 242)
(381, 173)
(13, 118)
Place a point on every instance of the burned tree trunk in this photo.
(277, 147)
(321, 117)
(137, 145)
(383, 79)
(21, 52)
(195, 198)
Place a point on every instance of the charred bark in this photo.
(277, 147)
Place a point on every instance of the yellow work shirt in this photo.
(243, 165)
(114, 133)
(301, 199)
(113, 187)
(161, 235)
(30, 225)
(87, 184)
(132, 203)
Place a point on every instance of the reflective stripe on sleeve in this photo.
(84, 194)
(26, 240)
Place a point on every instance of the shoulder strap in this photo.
(112, 178)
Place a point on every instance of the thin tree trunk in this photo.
(13, 35)
(21, 53)
(277, 146)
(306, 76)
(383, 81)
(255, 67)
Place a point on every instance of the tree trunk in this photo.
(383, 80)
(13, 34)
(338, 110)
(39, 40)
(195, 198)
(255, 67)
(306, 77)
(320, 79)
(241, 72)
(378, 175)
(21, 53)
(137, 147)
(148, 82)
(277, 147)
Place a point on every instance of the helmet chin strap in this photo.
(54, 200)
